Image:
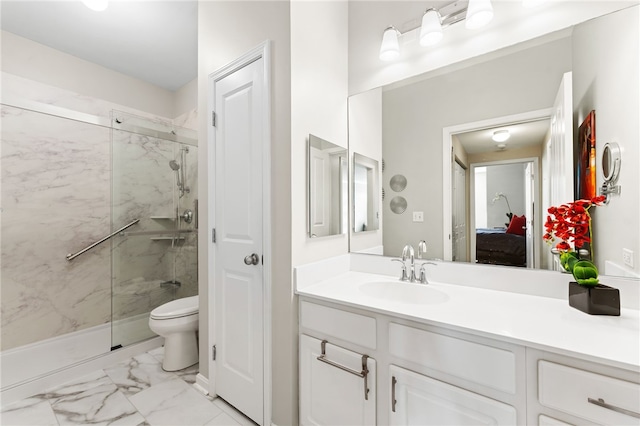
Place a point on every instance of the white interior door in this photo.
(529, 191)
(459, 220)
(320, 193)
(559, 153)
(238, 270)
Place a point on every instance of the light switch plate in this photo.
(418, 216)
(627, 257)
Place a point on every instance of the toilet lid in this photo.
(176, 308)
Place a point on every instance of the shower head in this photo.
(174, 165)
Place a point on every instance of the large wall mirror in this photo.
(328, 168)
(366, 214)
(445, 131)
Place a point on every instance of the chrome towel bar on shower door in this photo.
(70, 256)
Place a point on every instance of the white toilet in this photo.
(177, 322)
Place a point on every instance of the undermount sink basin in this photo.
(404, 292)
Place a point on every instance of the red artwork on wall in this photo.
(586, 167)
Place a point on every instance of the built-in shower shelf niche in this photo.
(162, 218)
(167, 238)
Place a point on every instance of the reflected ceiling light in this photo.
(479, 13)
(501, 136)
(390, 48)
(431, 29)
(97, 5)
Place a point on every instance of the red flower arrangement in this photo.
(571, 223)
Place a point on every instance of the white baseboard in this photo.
(33, 368)
(202, 384)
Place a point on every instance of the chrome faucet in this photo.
(407, 251)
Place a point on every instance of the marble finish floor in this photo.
(134, 392)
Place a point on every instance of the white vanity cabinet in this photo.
(420, 400)
(337, 384)
(435, 377)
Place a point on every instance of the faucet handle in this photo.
(423, 273)
(422, 248)
(404, 269)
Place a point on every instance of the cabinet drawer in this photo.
(548, 421)
(569, 389)
(481, 364)
(347, 326)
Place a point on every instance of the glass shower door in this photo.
(154, 180)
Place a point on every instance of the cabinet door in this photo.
(330, 395)
(420, 400)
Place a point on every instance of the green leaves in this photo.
(585, 273)
(568, 260)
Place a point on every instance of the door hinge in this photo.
(213, 118)
(213, 235)
(213, 352)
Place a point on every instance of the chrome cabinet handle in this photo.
(252, 259)
(362, 374)
(600, 403)
(393, 393)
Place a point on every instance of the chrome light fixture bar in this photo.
(477, 13)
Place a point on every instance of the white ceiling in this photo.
(155, 41)
(522, 135)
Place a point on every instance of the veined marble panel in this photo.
(56, 200)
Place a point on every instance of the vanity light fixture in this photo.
(501, 136)
(431, 29)
(477, 13)
(97, 5)
(390, 48)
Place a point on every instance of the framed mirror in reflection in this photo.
(366, 211)
(328, 176)
(444, 131)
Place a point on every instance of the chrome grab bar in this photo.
(600, 403)
(70, 256)
(362, 374)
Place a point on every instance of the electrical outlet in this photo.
(418, 216)
(627, 257)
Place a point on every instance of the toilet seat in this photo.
(176, 309)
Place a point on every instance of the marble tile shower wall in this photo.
(145, 188)
(56, 198)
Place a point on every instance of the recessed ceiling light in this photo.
(501, 135)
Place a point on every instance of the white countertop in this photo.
(540, 322)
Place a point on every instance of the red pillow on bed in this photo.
(517, 224)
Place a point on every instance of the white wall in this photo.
(318, 106)
(41, 63)
(226, 30)
(368, 19)
(508, 179)
(365, 138)
(609, 85)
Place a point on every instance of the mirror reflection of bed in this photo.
(503, 184)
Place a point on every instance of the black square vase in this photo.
(596, 300)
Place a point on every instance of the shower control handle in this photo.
(252, 259)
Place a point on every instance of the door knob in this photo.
(252, 259)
